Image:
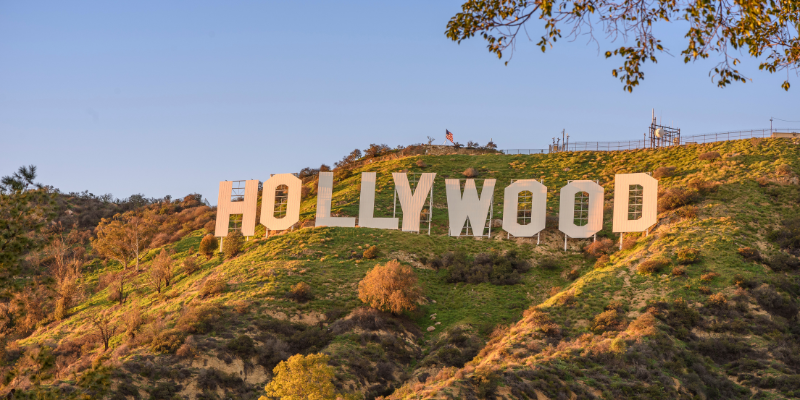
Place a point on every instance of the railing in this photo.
(643, 144)
(525, 151)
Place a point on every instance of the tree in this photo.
(20, 181)
(117, 287)
(132, 320)
(23, 212)
(766, 30)
(104, 326)
(376, 150)
(302, 378)
(141, 230)
(208, 245)
(162, 270)
(65, 268)
(232, 244)
(390, 288)
(124, 237)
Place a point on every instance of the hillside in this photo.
(653, 320)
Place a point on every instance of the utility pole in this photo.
(770, 126)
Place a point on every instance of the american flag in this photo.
(449, 136)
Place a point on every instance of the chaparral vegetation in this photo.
(134, 298)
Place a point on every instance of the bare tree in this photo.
(133, 321)
(104, 326)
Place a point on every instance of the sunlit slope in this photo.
(554, 352)
(723, 327)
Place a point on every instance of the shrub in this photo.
(391, 288)
(783, 262)
(421, 163)
(210, 226)
(709, 276)
(208, 246)
(756, 141)
(652, 266)
(488, 267)
(199, 319)
(471, 172)
(303, 377)
(242, 346)
(371, 252)
(300, 292)
(599, 247)
(709, 156)
(272, 352)
(679, 271)
(549, 263)
(602, 262)
(573, 274)
(232, 244)
(241, 306)
(687, 212)
(167, 341)
(704, 290)
(213, 285)
(190, 265)
(701, 185)
(717, 300)
(775, 302)
(688, 256)
(628, 242)
(783, 169)
(744, 283)
(609, 320)
(788, 235)
(663, 172)
(615, 305)
(749, 254)
(675, 198)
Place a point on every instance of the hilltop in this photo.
(704, 306)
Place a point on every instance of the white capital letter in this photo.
(294, 185)
(635, 202)
(367, 205)
(568, 209)
(243, 204)
(470, 206)
(324, 195)
(511, 206)
(412, 204)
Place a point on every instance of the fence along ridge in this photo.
(642, 144)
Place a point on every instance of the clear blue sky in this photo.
(147, 97)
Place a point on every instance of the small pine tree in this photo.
(232, 244)
(208, 246)
(302, 377)
(391, 288)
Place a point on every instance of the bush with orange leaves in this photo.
(390, 288)
(598, 248)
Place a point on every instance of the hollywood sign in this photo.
(635, 197)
